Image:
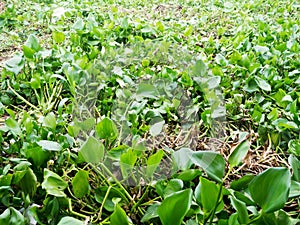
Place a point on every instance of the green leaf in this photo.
(80, 183)
(199, 69)
(127, 161)
(33, 42)
(241, 208)
(173, 186)
(188, 31)
(206, 195)
(294, 147)
(67, 220)
(241, 183)
(295, 164)
(78, 25)
(49, 145)
(153, 162)
(173, 209)
(36, 155)
(239, 153)
(182, 158)
(92, 150)
(150, 213)
(12, 216)
(107, 130)
(119, 216)
(262, 84)
(58, 37)
(28, 52)
(146, 90)
(50, 121)
(270, 189)
(283, 124)
(211, 162)
(15, 64)
(189, 174)
(54, 184)
(13, 126)
(28, 183)
(295, 189)
(156, 128)
(31, 46)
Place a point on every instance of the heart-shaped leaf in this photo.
(173, 209)
(270, 189)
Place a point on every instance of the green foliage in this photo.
(102, 95)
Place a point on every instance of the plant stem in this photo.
(102, 205)
(20, 97)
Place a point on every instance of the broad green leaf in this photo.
(262, 84)
(33, 43)
(242, 211)
(213, 82)
(54, 184)
(58, 37)
(92, 150)
(153, 162)
(206, 195)
(109, 204)
(36, 155)
(146, 90)
(270, 189)
(28, 183)
(12, 216)
(173, 209)
(50, 121)
(107, 130)
(173, 186)
(67, 220)
(211, 162)
(239, 153)
(182, 158)
(13, 126)
(119, 216)
(156, 128)
(31, 46)
(189, 174)
(28, 52)
(127, 161)
(199, 69)
(87, 124)
(80, 183)
(241, 183)
(78, 25)
(49, 145)
(15, 64)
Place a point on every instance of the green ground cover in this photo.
(150, 112)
